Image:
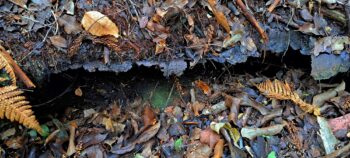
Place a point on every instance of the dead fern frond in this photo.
(8, 69)
(282, 91)
(14, 107)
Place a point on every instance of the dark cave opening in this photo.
(57, 92)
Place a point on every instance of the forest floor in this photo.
(175, 78)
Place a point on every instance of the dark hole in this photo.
(57, 92)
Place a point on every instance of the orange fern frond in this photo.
(14, 107)
(8, 69)
(282, 91)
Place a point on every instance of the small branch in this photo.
(347, 14)
(339, 152)
(335, 15)
(273, 5)
(252, 20)
(18, 71)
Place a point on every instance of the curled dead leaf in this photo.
(149, 117)
(59, 41)
(219, 16)
(219, 149)
(203, 86)
(208, 136)
(148, 134)
(196, 107)
(78, 92)
(99, 25)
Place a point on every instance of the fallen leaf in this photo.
(15, 143)
(340, 123)
(92, 139)
(178, 145)
(196, 107)
(70, 24)
(99, 25)
(160, 46)
(199, 151)
(208, 136)
(219, 16)
(8, 133)
(308, 28)
(233, 132)
(203, 86)
(78, 92)
(59, 41)
(21, 3)
(89, 112)
(272, 154)
(148, 134)
(251, 132)
(321, 98)
(147, 149)
(108, 124)
(326, 134)
(149, 116)
(93, 151)
(122, 150)
(219, 149)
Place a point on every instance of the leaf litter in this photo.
(199, 126)
(238, 115)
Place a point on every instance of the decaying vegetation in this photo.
(272, 106)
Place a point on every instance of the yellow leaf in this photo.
(99, 25)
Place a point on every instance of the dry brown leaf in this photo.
(15, 143)
(219, 16)
(59, 41)
(219, 149)
(196, 107)
(210, 137)
(149, 116)
(203, 86)
(198, 150)
(148, 134)
(21, 3)
(78, 92)
(70, 24)
(99, 25)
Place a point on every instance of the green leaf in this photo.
(33, 133)
(138, 156)
(178, 144)
(272, 154)
(46, 130)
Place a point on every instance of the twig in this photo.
(333, 14)
(252, 20)
(54, 16)
(347, 15)
(273, 5)
(18, 71)
(170, 93)
(339, 152)
(288, 22)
